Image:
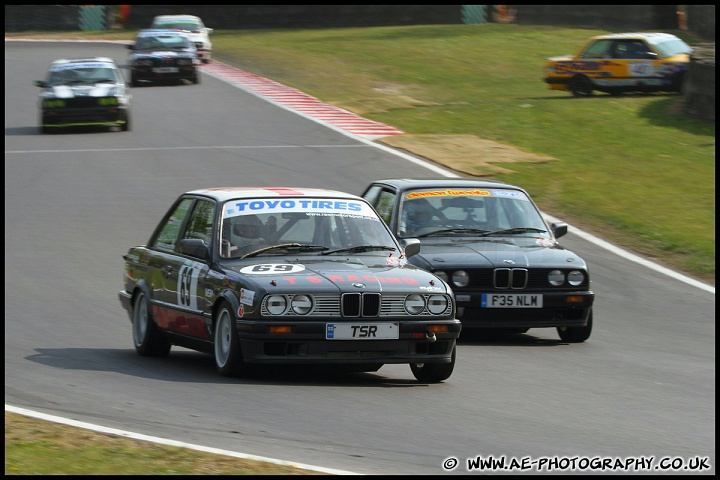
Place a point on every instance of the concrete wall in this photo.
(19, 18)
(701, 20)
(699, 88)
(623, 17)
(241, 17)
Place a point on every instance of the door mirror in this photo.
(194, 247)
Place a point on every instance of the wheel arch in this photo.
(225, 297)
(143, 287)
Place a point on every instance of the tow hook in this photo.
(430, 337)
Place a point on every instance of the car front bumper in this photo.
(78, 117)
(147, 73)
(308, 345)
(557, 311)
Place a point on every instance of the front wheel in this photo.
(226, 345)
(434, 372)
(576, 334)
(148, 339)
(581, 86)
(125, 127)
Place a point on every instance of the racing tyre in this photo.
(134, 82)
(148, 339)
(126, 126)
(434, 372)
(576, 334)
(226, 346)
(196, 79)
(581, 86)
(678, 83)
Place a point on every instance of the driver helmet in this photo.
(418, 212)
(248, 227)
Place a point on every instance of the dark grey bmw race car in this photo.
(489, 241)
(260, 275)
(163, 56)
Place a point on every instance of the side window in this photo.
(201, 221)
(372, 195)
(631, 49)
(384, 205)
(168, 236)
(599, 49)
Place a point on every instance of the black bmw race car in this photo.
(489, 241)
(163, 56)
(259, 275)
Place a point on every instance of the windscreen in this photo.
(331, 223)
(486, 210)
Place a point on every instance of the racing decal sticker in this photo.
(510, 194)
(75, 66)
(641, 69)
(272, 268)
(572, 67)
(543, 242)
(187, 285)
(467, 193)
(247, 296)
(395, 261)
(340, 279)
(307, 205)
(433, 288)
(448, 193)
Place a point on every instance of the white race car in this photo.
(193, 27)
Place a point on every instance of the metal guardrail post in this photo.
(473, 14)
(93, 17)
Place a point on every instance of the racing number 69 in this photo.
(185, 285)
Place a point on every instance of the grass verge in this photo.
(38, 447)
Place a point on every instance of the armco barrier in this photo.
(93, 17)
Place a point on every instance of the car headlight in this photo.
(414, 304)
(276, 304)
(575, 278)
(437, 304)
(460, 278)
(556, 278)
(301, 304)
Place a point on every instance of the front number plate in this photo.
(165, 69)
(361, 331)
(510, 300)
